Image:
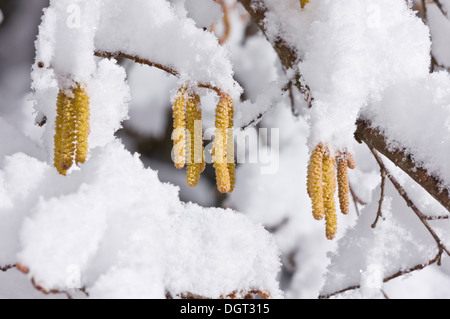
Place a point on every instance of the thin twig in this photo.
(389, 278)
(441, 7)
(140, 60)
(226, 21)
(7, 267)
(436, 217)
(356, 199)
(409, 202)
(382, 195)
(384, 294)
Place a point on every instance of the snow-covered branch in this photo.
(290, 56)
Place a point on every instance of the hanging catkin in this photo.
(230, 146)
(220, 145)
(200, 157)
(343, 185)
(194, 149)
(179, 129)
(81, 107)
(329, 188)
(65, 136)
(315, 183)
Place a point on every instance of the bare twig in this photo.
(441, 247)
(441, 7)
(380, 203)
(436, 217)
(384, 294)
(7, 267)
(356, 199)
(226, 21)
(376, 140)
(410, 203)
(140, 60)
(389, 278)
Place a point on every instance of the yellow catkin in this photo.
(350, 161)
(329, 188)
(199, 131)
(314, 182)
(194, 144)
(82, 114)
(65, 134)
(220, 145)
(343, 185)
(179, 126)
(303, 3)
(230, 146)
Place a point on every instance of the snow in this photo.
(204, 12)
(115, 218)
(111, 226)
(109, 96)
(439, 28)
(399, 241)
(194, 53)
(351, 51)
(427, 102)
(120, 227)
(150, 105)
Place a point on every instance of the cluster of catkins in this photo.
(188, 139)
(71, 128)
(321, 185)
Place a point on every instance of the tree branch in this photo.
(389, 278)
(140, 60)
(7, 267)
(364, 132)
(374, 139)
(409, 202)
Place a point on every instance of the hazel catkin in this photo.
(82, 114)
(329, 188)
(343, 185)
(179, 129)
(231, 164)
(65, 136)
(194, 152)
(315, 183)
(220, 145)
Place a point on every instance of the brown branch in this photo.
(288, 56)
(374, 139)
(409, 202)
(7, 267)
(137, 59)
(226, 21)
(364, 132)
(436, 217)
(380, 203)
(356, 199)
(389, 278)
